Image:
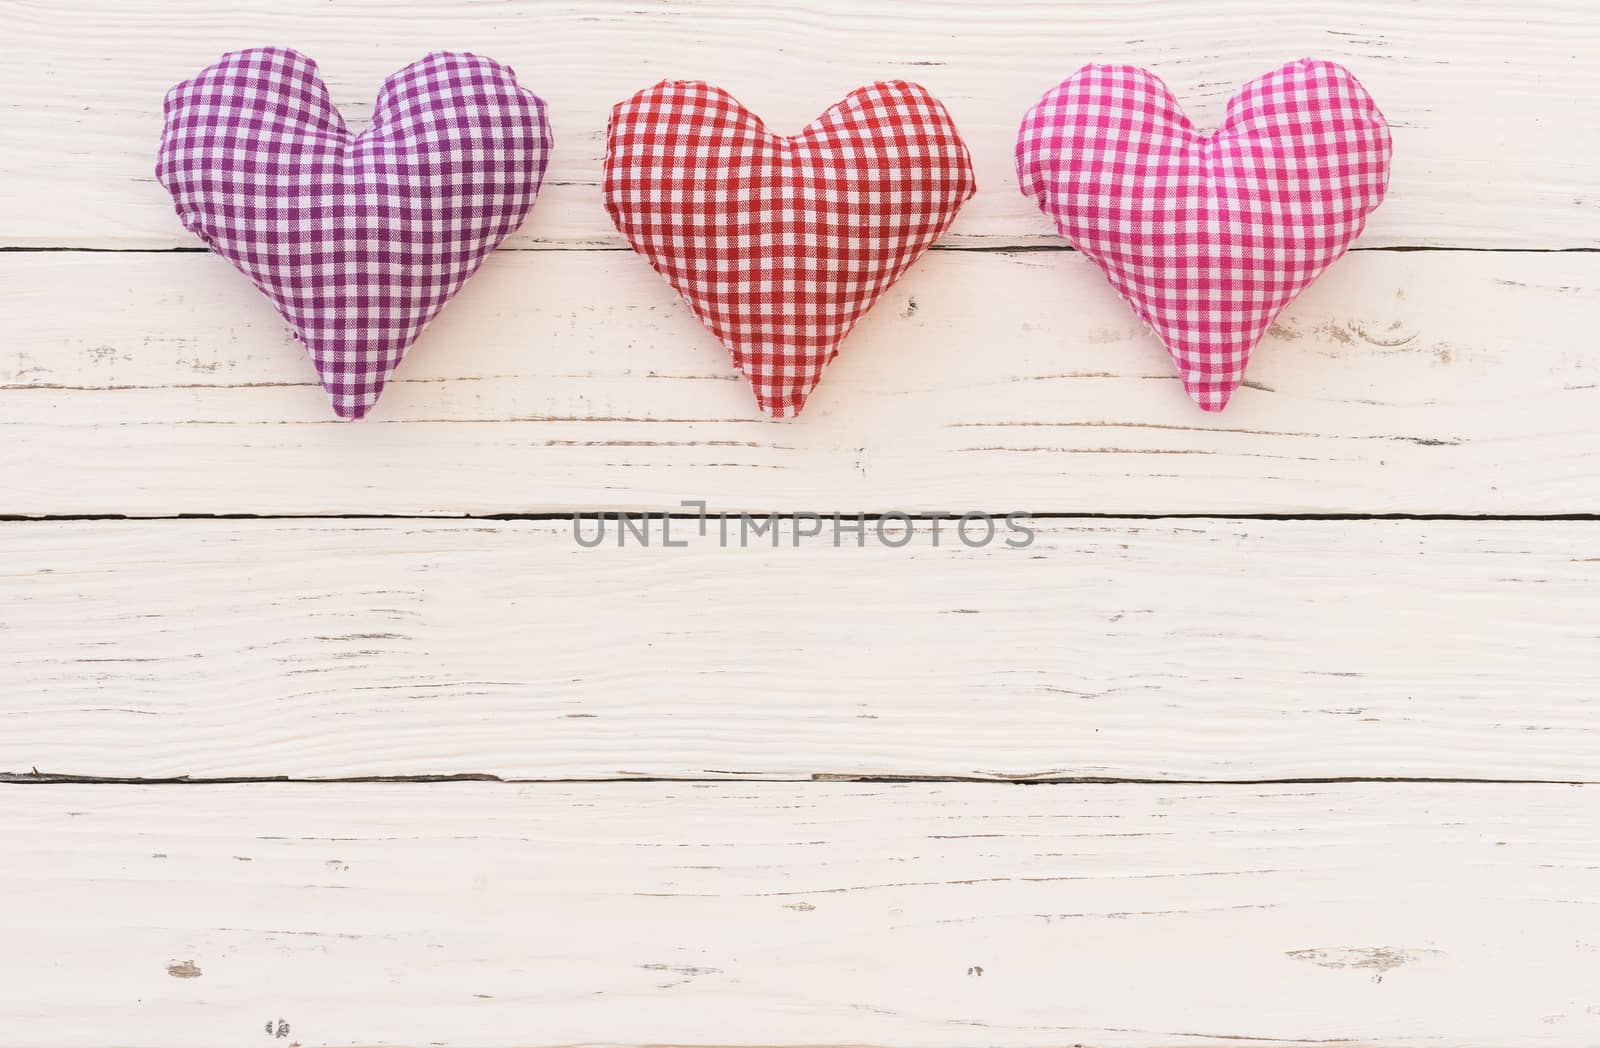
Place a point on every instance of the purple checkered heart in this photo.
(358, 239)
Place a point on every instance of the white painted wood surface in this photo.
(1166, 910)
(1423, 382)
(919, 915)
(1206, 650)
(1494, 146)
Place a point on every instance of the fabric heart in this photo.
(779, 245)
(358, 239)
(1208, 237)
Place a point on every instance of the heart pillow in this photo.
(779, 245)
(358, 239)
(1208, 237)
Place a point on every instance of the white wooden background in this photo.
(1305, 696)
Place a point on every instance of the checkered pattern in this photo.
(1208, 237)
(779, 245)
(359, 240)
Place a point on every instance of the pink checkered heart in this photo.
(1208, 237)
(358, 239)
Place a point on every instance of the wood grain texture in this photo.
(921, 916)
(1493, 144)
(1422, 382)
(1173, 650)
(1151, 914)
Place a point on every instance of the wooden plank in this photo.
(930, 916)
(1492, 148)
(1414, 381)
(1210, 650)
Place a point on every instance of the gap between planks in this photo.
(789, 516)
(39, 778)
(970, 249)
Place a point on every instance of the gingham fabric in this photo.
(779, 245)
(1208, 237)
(358, 239)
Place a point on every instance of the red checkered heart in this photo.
(1208, 237)
(779, 245)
